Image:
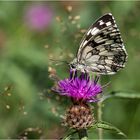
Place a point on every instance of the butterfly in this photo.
(101, 50)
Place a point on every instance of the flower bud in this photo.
(79, 117)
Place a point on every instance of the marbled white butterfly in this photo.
(101, 49)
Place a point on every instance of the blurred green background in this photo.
(33, 32)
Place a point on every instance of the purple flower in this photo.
(38, 17)
(79, 88)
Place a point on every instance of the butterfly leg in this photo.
(96, 79)
(73, 73)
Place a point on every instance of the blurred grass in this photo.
(24, 63)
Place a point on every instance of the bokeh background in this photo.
(33, 33)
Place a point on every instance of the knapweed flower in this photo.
(82, 89)
(79, 88)
(38, 16)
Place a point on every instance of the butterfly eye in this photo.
(72, 66)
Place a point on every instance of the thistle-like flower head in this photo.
(38, 17)
(79, 88)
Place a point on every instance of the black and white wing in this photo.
(102, 49)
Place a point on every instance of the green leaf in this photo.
(120, 94)
(84, 138)
(132, 95)
(69, 135)
(108, 126)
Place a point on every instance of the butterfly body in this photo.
(101, 49)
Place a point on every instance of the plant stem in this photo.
(100, 130)
(83, 134)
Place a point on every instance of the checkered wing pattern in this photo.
(101, 49)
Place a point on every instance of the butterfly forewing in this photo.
(102, 49)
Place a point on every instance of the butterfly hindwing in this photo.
(102, 49)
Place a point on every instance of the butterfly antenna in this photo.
(59, 62)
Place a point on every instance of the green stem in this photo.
(99, 113)
(100, 130)
(83, 134)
